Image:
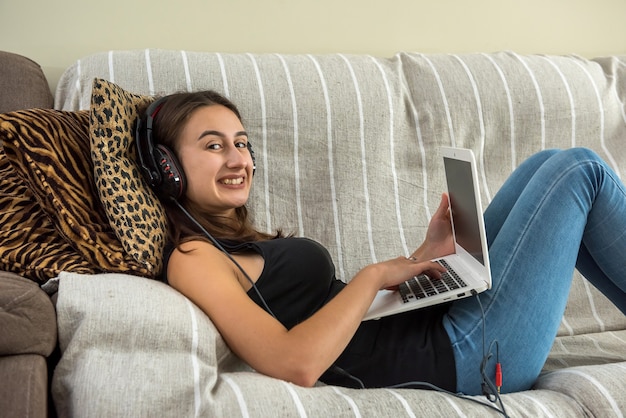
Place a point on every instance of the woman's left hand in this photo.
(439, 241)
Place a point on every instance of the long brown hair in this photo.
(167, 127)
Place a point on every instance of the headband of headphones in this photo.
(159, 164)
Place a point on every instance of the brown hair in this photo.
(168, 125)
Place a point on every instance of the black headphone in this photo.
(159, 164)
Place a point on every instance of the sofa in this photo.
(28, 329)
(347, 154)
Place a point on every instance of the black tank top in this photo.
(298, 278)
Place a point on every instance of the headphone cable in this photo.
(223, 250)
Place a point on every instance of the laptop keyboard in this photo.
(423, 286)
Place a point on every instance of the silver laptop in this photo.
(468, 268)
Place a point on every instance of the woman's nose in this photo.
(236, 158)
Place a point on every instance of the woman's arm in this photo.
(299, 355)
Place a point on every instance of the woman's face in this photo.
(216, 161)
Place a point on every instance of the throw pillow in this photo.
(49, 150)
(133, 210)
(30, 245)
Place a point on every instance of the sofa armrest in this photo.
(27, 317)
(22, 83)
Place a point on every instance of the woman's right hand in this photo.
(398, 270)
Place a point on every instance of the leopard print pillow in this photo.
(133, 210)
(49, 151)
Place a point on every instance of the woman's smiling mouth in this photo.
(235, 181)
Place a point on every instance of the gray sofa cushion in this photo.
(347, 154)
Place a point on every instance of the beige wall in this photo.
(56, 33)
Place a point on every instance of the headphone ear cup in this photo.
(249, 145)
(173, 181)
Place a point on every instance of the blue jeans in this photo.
(558, 211)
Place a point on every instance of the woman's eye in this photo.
(213, 146)
(241, 144)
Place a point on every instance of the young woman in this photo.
(558, 211)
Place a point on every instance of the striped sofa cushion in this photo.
(181, 367)
(346, 149)
(347, 144)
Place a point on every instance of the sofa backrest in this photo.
(347, 145)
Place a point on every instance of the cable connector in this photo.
(498, 376)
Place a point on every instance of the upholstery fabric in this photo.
(347, 154)
(170, 361)
(27, 318)
(30, 245)
(49, 150)
(133, 211)
(22, 83)
(28, 375)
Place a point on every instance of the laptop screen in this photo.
(463, 204)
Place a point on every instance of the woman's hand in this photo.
(392, 272)
(438, 242)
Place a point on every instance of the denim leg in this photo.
(559, 210)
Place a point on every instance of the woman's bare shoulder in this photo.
(193, 260)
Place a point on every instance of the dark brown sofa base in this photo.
(28, 340)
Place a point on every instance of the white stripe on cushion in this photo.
(350, 401)
(296, 399)
(194, 358)
(507, 90)
(366, 193)
(539, 405)
(444, 99)
(613, 334)
(599, 386)
(567, 326)
(392, 159)
(405, 404)
(238, 395)
(422, 149)
(481, 124)
(602, 119)
(453, 402)
(220, 60)
(592, 305)
(266, 180)
(149, 73)
(77, 93)
(183, 55)
(331, 167)
(111, 67)
(569, 96)
(542, 108)
(296, 160)
(562, 350)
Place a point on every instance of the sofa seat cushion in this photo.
(27, 317)
(169, 361)
(598, 389)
